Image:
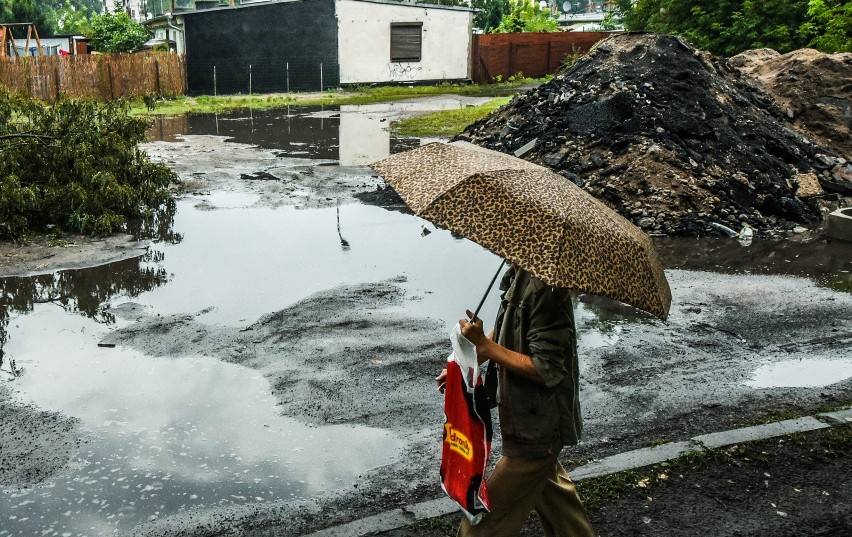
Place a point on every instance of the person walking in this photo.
(533, 367)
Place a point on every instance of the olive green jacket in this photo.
(537, 419)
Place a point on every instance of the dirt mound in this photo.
(669, 137)
(814, 89)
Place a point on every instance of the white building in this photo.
(381, 41)
(134, 8)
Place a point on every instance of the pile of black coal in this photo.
(668, 136)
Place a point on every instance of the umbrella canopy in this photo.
(531, 216)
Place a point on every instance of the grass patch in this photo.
(351, 95)
(442, 526)
(794, 414)
(596, 492)
(445, 123)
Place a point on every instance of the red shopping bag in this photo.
(467, 431)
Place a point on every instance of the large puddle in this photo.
(169, 434)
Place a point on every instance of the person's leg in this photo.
(513, 489)
(559, 507)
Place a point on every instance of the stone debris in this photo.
(670, 137)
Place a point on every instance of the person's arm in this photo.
(488, 349)
(441, 379)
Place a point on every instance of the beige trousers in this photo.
(518, 486)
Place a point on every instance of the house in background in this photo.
(382, 41)
(313, 45)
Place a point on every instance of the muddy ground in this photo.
(369, 364)
(660, 380)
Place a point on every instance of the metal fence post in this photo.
(288, 77)
(321, 84)
(249, 79)
(214, 81)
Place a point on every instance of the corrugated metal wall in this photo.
(278, 47)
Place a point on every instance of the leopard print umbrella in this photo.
(533, 217)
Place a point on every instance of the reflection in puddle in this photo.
(828, 263)
(230, 200)
(340, 134)
(84, 291)
(272, 258)
(172, 434)
(353, 135)
(811, 373)
(168, 434)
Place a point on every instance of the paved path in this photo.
(399, 518)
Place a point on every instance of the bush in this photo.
(116, 32)
(76, 166)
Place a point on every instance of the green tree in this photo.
(116, 32)
(490, 14)
(527, 16)
(829, 26)
(728, 27)
(32, 11)
(73, 18)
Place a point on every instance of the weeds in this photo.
(571, 58)
(597, 491)
(446, 123)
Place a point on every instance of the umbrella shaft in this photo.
(490, 285)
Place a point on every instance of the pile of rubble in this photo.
(815, 91)
(673, 139)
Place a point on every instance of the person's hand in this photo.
(472, 330)
(441, 380)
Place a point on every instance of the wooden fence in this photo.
(107, 76)
(533, 54)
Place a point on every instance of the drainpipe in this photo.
(173, 27)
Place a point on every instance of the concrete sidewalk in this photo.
(399, 518)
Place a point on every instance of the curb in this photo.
(630, 460)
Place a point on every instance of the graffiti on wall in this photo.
(403, 70)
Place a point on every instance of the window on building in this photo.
(406, 41)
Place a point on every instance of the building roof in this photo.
(417, 4)
(261, 3)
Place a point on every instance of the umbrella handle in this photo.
(490, 285)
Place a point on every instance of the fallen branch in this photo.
(19, 135)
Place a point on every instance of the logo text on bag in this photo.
(458, 442)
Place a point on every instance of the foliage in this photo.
(75, 166)
(570, 58)
(51, 16)
(117, 32)
(611, 22)
(490, 14)
(27, 11)
(829, 25)
(728, 27)
(527, 16)
(73, 18)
